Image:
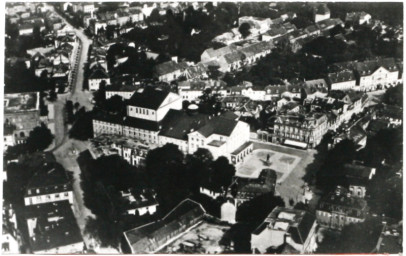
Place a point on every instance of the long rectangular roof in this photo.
(150, 237)
(178, 124)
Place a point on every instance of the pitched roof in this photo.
(98, 74)
(151, 237)
(56, 226)
(322, 9)
(149, 98)
(300, 232)
(339, 201)
(141, 123)
(257, 48)
(341, 76)
(215, 53)
(169, 67)
(234, 57)
(49, 175)
(178, 124)
(218, 125)
(366, 68)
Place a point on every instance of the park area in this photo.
(203, 238)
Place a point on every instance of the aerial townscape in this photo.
(203, 128)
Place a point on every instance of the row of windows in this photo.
(142, 111)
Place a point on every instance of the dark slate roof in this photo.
(141, 123)
(178, 124)
(300, 232)
(115, 119)
(216, 53)
(53, 234)
(98, 74)
(48, 176)
(218, 125)
(149, 98)
(257, 48)
(357, 171)
(366, 68)
(322, 9)
(339, 201)
(234, 57)
(169, 67)
(342, 76)
(150, 237)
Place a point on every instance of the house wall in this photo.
(190, 95)
(209, 193)
(347, 85)
(267, 238)
(335, 220)
(95, 83)
(103, 127)
(182, 144)
(173, 101)
(9, 244)
(24, 122)
(141, 134)
(124, 94)
(48, 198)
(380, 77)
(143, 210)
(170, 76)
(320, 17)
(67, 249)
(357, 191)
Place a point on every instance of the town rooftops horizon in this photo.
(21, 102)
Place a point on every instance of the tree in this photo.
(330, 173)
(222, 172)
(100, 95)
(394, 96)
(69, 111)
(115, 105)
(82, 128)
(367, 234)
(244, 29)
(40, 138)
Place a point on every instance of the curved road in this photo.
(66, 149)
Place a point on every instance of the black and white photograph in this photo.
(192, 127)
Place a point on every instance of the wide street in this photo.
(66, 150)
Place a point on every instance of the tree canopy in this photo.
(244, 29)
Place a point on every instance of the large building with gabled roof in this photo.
(283, 226)
(156, 117)
(50, 183)
(152, 237)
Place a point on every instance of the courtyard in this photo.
(204, 238)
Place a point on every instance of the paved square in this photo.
(261, 159)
